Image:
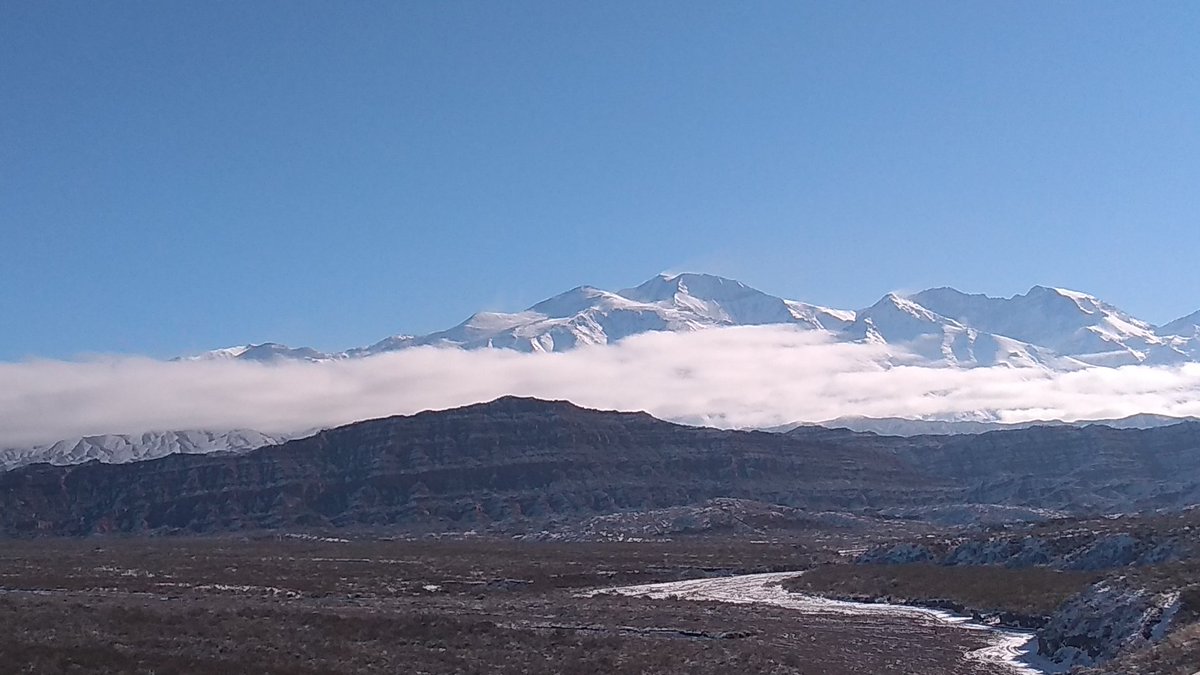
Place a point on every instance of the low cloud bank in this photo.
(734, 377)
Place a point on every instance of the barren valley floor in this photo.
(283, 605)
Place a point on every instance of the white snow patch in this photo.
(1015, 650)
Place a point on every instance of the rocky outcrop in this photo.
(1177, 654)
(903, 553)
(1111, 618)
(1122, 549)
(1082, 548)
(1142, 587)
(730, 517)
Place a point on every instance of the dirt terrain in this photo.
(1016, 597)
(289, 605)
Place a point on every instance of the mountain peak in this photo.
(530, 405)
(942, 324)
(1078, 297)
(263, 351)
(1185, 326)
(944, 293)
(572, 302)
(894, 303)
(513, 403)
(1067, 292)
(714, 300)
(664, 287)
(1064, 321)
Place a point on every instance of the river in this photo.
(1014, 650)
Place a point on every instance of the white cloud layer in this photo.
(737, 377)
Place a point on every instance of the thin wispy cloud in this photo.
(735, 377)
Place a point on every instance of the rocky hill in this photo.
(1094, 469)
(523, 465)
(511, 461)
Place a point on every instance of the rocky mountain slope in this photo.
(511, 461)
(1123, 590)
(1094, 469)
(525, 465)
(1045, 327)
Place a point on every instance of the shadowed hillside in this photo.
(521, 464)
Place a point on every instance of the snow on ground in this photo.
(1013, 649)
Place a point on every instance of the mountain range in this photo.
(1049, 328)
(123, 448)
(1046, 327)
(128, 448)
(972, 424)
(525, 465)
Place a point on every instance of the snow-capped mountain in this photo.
(592, 316)
(727, 302)
(1045, 327)
(978, 424)
(896, 320)
(1185, 327)
(1066, 322)
(123, 448)
(265, 352)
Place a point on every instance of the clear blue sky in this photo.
(182, 176)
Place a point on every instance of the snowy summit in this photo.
(1046, 327)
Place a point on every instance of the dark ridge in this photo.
(521, 463)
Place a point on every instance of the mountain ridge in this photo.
(124, 448)
(1047, 327)
(902, 426)
(521, 464)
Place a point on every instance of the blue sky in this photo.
(181, 176)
